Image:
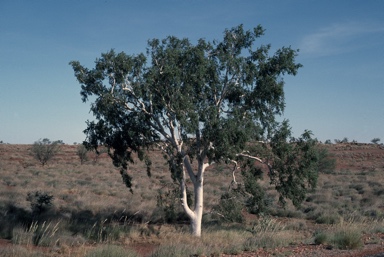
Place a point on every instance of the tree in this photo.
(375, 141)
(202, 103)
(345, 140)
(44, 150)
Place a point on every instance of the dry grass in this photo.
(91, 205)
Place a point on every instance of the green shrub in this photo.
(169, 206)
(229, 208)
(111, 251)
(321, 238)
(328, 219)
(82, 153)
(347, 239)
(40, 202)
(326, 162)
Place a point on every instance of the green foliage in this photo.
(295, 164)
(321, 238)
(44, 150)
(82, 153)
(257, 201)
(40, 201)
(167, 201)
(202, 91)
(327, 219)
(209, 102)
(343, 238)
(347, 239)
(376, 140)
(325, 161)
(230, 207)
(111, 251)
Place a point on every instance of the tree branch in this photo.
(183, 199)
(246, 155)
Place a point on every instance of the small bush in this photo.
(326, 162)
(82, 153)
(321, 238)
(229, 208)
(347, 239)
(168, 207)
(111, 251)
(328, 219)
(40, 202)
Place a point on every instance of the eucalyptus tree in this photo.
(201, 103)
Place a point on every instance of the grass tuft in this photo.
(348, 239)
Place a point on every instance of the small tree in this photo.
(209, 102)
(44, 150)
(326, 161)
(82, 152)
(345, 140)
(376, 140)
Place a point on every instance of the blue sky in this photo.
(338, 93)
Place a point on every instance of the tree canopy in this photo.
(209, 101)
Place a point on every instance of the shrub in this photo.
(40, 201)
(169, 206)
(82, 153)
(229, 208)
(326, 162)
(328, 219)
(347, 239)
(111, 251)
(321, 238)
(44, 150)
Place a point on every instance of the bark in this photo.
(196, 214)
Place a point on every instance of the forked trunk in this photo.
(196, 214)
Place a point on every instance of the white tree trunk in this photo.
(196, 220)
(195, 215)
